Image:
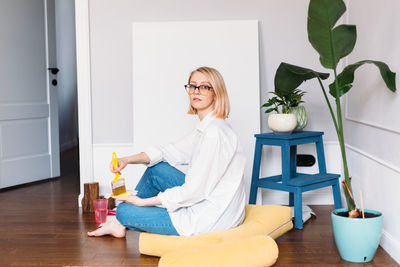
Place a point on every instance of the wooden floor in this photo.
(41, 225)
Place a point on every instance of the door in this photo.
(29, 146)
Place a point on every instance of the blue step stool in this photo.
(290, 180)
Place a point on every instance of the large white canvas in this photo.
(164, 54)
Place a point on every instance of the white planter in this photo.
(282, 123)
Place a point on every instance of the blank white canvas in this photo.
(164, 54)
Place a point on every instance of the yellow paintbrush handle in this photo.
(115, 165)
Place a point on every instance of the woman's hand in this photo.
(135, 200)
(122, 162)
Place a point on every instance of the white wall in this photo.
(372, 125)
(66, 62)
(160, 104)
(281, 39)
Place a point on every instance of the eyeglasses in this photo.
(203, 89)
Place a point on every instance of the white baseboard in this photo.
(80, 200)
(69, 144)
(391, 245)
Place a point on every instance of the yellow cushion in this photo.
(259, 250)
(158, 245)
(272, 220)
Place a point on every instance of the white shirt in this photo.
(212, 197)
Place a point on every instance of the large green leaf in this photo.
(332, 44)
(288, 77)
(346, 78)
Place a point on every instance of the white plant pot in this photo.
(282, 123)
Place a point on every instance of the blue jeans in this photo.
(151, 219)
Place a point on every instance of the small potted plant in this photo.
(291, 115)
(357, 234)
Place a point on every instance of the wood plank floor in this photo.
(41, 225)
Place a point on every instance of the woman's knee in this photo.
(164, 171)
(159, 168)
(160, 177)
(147, 173)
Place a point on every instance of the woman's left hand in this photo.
(135, 200)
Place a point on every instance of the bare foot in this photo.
(113, 227)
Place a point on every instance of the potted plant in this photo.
(291, 116)
(357, 237)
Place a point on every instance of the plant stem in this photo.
(339, 133)
(329, 105)
(349, 200)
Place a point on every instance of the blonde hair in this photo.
(217, 82)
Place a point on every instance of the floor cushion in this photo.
(258, 250)
(269, 220)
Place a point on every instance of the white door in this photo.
(29, 146)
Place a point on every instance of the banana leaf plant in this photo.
(332, 43)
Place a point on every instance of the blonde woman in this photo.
(210, 195)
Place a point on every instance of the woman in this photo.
(210, 195)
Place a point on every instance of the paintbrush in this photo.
(118, 184)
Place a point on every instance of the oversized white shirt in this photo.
(213, 196)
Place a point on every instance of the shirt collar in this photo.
(202, 125)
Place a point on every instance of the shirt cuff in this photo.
(165, 203)
(155, 155)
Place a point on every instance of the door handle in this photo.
(53, 70)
